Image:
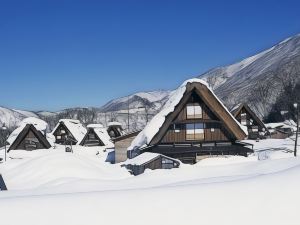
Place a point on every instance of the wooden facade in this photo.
(199, 124)
(121, 145)
(30, 139)
(91, 139)
(256, 128)
(63, 135)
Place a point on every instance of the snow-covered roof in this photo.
(144, 158)
(75, 127)
(286, 124)
(235, 107)
(99, 125)
(115, 123)
(39, 124)
(101, 132)
(145, 137)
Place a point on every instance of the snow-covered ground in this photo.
(55, 187)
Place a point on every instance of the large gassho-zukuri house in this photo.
(193, 124)
(30, 135)
(97, 136)
(243, 114)
(69, 131)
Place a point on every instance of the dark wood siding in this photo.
(60, 137)
(214, 130)
(91, 139)
(30, 142)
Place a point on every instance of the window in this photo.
(31, 144)
(177, 128)
(92, 136)
(251, 121)
(212, 129)
(167, 163)
(193, 111)
(244, 119)
(254, 129)
(195, 131)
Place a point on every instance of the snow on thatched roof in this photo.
(101, 132)
(75, 127)
(114, 123)
(39, 124)
(145, 137)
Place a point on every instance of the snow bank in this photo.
(145, 137)
(49, 168)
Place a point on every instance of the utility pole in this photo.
(297, 130)
(6, 135)
(128, 115)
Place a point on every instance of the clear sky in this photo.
(59, 54)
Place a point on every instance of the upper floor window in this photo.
(193, 111)
(243, 118)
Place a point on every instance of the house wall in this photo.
(58, 133)
(279, 135)
(121, 149)
(30, 142)
(91, 139)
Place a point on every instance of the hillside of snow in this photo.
(81, 188)
(12, 117)
(239, 82)
(153, 100)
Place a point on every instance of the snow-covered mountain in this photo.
(12, 117)
(153, 100)
(243, 81)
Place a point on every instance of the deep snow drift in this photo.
(54, 187)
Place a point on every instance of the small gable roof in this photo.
(29, 127)
(160, 122)
(145, 158)
(101, 133)
(75, 128)
(39, 124)
(236, 111)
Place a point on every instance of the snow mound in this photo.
(48, 168)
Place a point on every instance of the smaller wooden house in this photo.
(121, 145)
(96, 136)
(149, 160)
(115, 129)
(281, 130)
(69, 131)
(28, 138)
(246, 117)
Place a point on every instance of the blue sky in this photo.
(59, 54)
